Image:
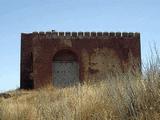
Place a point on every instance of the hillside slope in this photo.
(121, 98)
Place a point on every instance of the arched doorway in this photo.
(65, 69)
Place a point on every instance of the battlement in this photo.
(50, 35)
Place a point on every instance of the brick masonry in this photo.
(98, 54)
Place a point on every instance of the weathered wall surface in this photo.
(98, 54)
(26, 60)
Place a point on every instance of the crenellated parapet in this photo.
(53, 35)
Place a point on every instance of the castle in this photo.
(68, 58)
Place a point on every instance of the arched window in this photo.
(65, 69)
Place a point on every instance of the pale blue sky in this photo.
(17, 16)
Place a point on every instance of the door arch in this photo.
(65, 69)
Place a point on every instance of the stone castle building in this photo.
(68, 58)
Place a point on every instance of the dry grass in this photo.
(120, 98)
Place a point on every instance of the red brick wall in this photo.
(96, 53)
